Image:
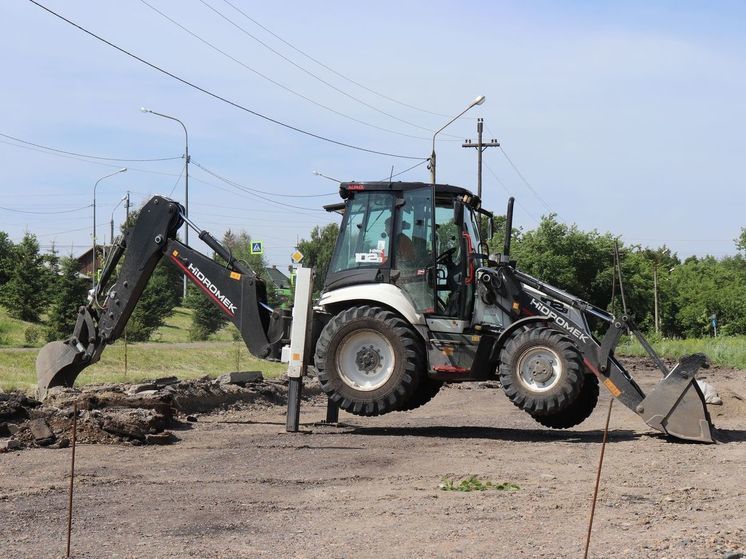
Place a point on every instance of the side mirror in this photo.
(458, 212)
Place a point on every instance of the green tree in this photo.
(317, 251)
(69, 295)
(26, 293)
(207, 317)
(564, 256)
(6, 257)
(156, 304)
(705, 287)
(240, 246)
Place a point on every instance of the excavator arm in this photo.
(234, 288)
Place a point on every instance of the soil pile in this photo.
(146, 413)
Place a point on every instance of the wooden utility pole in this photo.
(481, 146)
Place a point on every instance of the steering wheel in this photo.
(446, 255)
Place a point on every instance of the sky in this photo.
(623, 117)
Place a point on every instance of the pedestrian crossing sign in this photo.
(257, 247)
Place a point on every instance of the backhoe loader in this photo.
(411, 301)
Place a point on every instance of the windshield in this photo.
(364, 239)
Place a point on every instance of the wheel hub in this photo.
(541, 370)
(368, 359)
(365, 359)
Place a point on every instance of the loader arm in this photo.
(235, 289)
(675, 406)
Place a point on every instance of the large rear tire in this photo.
(369, 360)
(426, 391)
(541, 371)
(578, 411)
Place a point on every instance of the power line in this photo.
(316, 77)
(332, 70)
(85, 155)
(219, 97)
(528, 184)
(257, 191)
(250, 191)
(68, 231)
(502, 184)
(178, 180)
(404, 171)
(278, 84)
(522, 177)
(44, 213)
(77, 158)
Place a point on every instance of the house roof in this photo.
(278, 278)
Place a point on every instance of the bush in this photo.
(32, 335)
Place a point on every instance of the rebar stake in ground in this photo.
(598, 480)
(72, 479)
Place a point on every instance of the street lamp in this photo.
(656, 263)
(186, 175)
(478, 101)
(93, 268)
(320, 174)
(124, 199)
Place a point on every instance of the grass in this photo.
(13, 331)
(473, 483)
(144, 361)
(169, 353)
(726, 351)
(175, 330)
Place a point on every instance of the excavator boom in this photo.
(235, 289)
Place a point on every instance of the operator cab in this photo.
(430, 248)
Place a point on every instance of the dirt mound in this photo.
(145, 413)
(733, 406)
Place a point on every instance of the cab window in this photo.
(364, 239)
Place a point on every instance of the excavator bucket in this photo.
(58, 364)
(677, 406)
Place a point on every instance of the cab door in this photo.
(412, 255)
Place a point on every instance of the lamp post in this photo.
(186, 175)
(478, 101)
(656, 263)
(124, 199)
(320, 174)
(93, 268)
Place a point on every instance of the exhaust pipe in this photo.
(505, 256)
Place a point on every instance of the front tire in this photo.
(541, 371)
(578, 411)
(369, 360)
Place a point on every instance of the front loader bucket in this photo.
(59, 364)
(676, 406)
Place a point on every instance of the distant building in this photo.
(85, 260)
(280, 280)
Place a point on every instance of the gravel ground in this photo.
(237, 485)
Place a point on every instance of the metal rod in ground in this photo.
(295, 387)
(332, 412)
(72, 479)
(598, 480)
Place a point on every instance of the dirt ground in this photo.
(238, 486)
